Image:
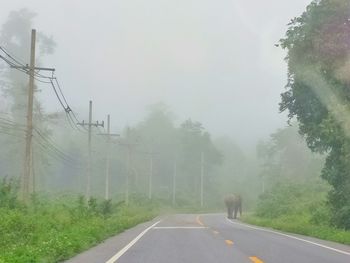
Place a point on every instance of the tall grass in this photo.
(54, 229)
(298, 208)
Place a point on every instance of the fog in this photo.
(214, 62)
(192, 88)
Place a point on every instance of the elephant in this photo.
(233, 203)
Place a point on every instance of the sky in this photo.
(211, 61)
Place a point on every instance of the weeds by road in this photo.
(51, 230)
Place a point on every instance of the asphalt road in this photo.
(211, 238)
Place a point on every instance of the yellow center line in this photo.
(229, 242)
(199, 221)
(256, 260)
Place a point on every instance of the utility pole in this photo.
(174, 182)
(128, 144)
(128, 163)
(150, 175)
(90, 124)
(26, 179)
(202, 175)
(151, 154)
(263, 184)
(108, 155)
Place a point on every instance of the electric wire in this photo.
(54, 154)
(16, 64)
(11, 56)
(51, 144)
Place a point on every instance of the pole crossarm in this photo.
(109, 134)
(92, 124)
(35, 68)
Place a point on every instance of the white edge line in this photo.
(128, 246)
(293, 237)
(180, 227)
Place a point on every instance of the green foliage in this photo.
(320, 214)
(318, 92)
(300, 224)
(8, 193)
(106, 207)
(298, 208)
(59, 228)
(291, 199)
(286, 157)
(15, 37)
(170, 144)
(92, 204)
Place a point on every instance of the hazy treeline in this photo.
(160, 145)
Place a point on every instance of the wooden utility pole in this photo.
(263, 184)
(108, 156)
(174, 182)
(90, 124)
(150, 175)
(128, 144)
(29, 133)
(202, 176)
(27, 173)
(151, 154)
(88, 174)
(128, 163)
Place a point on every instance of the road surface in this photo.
(211, 238)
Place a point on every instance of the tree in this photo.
(285, 157)
(318, 92)
(157, 138)
(15, 37)
(194, 141)
(237, 173)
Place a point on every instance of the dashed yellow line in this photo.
(256, 260)
(199, 221)
(229, 242)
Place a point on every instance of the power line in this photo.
(51, 144)
(65, 108)
(11, 56)
(54, 154)
(20, 66)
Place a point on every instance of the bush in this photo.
(342, 217)
(301, 209)
(320, 214)
(291, 198)
(8, 193)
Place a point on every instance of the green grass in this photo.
(57, 230)
(298, 208)
(300, 224)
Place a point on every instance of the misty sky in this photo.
(213, 61)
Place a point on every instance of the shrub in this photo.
(9, 193)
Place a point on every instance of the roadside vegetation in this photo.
(54, 229)
(293, 197)
(298, 181)
(158, 161)
(298, 208)
(317, 97)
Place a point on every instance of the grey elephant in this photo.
(233, 204)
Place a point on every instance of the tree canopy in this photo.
(318, 92)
